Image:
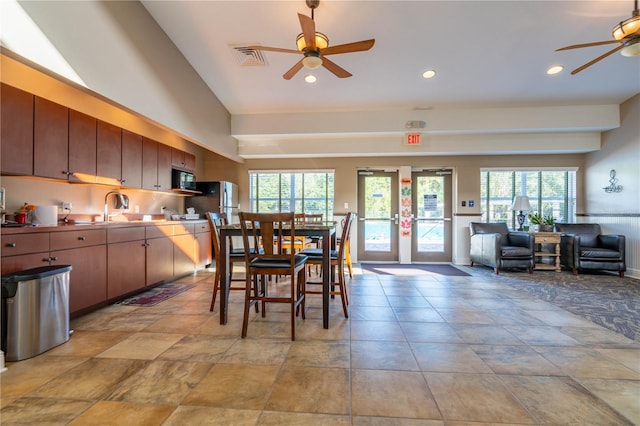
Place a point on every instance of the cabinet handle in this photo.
(54, 258)
(82, 238)
(67, 173)
(11, 244)
(123, 180)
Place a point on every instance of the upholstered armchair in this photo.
(583, 246)
(492, 244)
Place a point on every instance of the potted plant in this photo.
(542, 223)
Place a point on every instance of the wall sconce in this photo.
(613, 183)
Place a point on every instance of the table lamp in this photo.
(521, 204)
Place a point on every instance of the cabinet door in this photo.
(183, 255)
(203, 249)
(50, 140)
(189, 162)
(88, 277)
(164, 167)
(125, 267)
(131, 159)
(159, 260)
(149, 164)
(109, 165)
(177, 158)
(16, 130)
(82, 145)
(12, 264)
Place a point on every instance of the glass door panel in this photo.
(431, 209)
(378, 216)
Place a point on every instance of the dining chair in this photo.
(337, 261)
(300, 242)
(271, 259)
(235, 255)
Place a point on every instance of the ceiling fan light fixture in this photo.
(322, 41)
(312, 62)
(631, 49)
(310, 78)
(627, 28)
(555, 69)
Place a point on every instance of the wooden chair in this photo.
(337, 261)
(235, 255)
(271, 260)
(300, 242)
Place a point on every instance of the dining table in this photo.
(325, 230)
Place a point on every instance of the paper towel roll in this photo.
(45, 216)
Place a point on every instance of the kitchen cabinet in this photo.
(183, 160)
(183, 249)
(203, 245)
(159, 255)
(156, 165)
(50, 139)
(24, 251)
(164, 167)
(126, 260)
(16, 131)
(131, 160)
(82, 145)
(86, 251)
(109, 149)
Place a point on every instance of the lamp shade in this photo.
(521, 203)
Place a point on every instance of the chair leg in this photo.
(343, 292)
(247, 299)
(621, 273)
(216, 286)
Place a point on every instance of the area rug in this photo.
(412, 269)
(156, 295)
(604, 299)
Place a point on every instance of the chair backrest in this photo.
(578, 228)
(491, 228)
(269, 228)
(313, 217)
(300, 217)
(216, 220)
(346, 233)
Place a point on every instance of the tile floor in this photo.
(422, 350)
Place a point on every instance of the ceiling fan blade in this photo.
(596, 43)
(336, 69)
(309, 30)
(273, 49)
(357, 46)
(599, 58)
(293, 71)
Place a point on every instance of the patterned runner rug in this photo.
(156, 295)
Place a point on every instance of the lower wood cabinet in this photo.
(126, 260)
(159, 254)
(88, 276)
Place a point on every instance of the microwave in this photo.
(182, 180)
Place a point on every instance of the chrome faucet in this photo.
(122, 202)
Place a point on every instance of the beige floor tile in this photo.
(429, 332)
(43, 411)
(448, 358)
(541, 335)
(273, 418)
(198, 348)
(185, 415)
(371, 313)
(477, 398)
(142, 346)
(560, 400)
(107, 413)
(362, 300)
(417, 314)
(377, 330)
(237, 386)
(464, 316)
(91, 380)
(89, 343)
(160, 382)
(311, 390)
(393, 421)
(561, 319)
(322, 353)
(519, 360)
(183, 324)
(586, 363)
(375, 355)
(597, 336)
(486, 334)
(622, 395)
(392, 394)
(257, 351)
(630, 358)
(312, 329)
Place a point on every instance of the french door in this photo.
(378, 216)
(431, 212)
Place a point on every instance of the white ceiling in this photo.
(486, 53)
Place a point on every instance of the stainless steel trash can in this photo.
(35, 311)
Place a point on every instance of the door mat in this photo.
(156, 295)
(413, 269)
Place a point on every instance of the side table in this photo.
(547, 238)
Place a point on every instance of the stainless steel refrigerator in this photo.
(218, 196)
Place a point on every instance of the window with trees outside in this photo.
(550, 192)
(297, 191)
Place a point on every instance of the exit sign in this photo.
(412, 138)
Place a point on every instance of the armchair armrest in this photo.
(569, 250)
(613, 242)
(485, 248)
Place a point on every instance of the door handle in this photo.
(396, 218)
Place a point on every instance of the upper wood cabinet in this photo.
(183, 160)
(109, 145)
(50, 139)
(164, 167)
(131, 159)
(82, 144)
(16, 130)
(149, 164)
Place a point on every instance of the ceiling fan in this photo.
(627, 33)
(315, 48)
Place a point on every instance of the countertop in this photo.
(23, 229)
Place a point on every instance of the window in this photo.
(283, 191)
(550, 192)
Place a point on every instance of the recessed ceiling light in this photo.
(429, 74)
(310, 78)
(555, 69)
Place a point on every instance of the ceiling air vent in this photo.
(248, 57)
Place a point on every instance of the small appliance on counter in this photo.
(45, 216)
